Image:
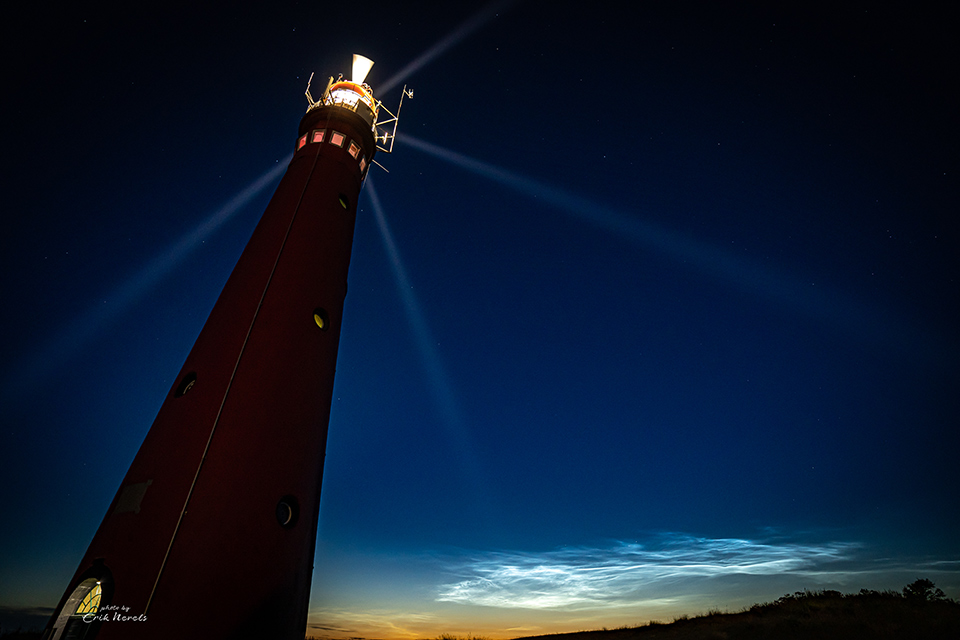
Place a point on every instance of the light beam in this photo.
(815, 302)
(82, 330)
(437, 375)
(476, 21)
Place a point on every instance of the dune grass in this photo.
(919, 612)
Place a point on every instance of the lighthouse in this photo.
(213, 530)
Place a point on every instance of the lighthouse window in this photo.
(321, 318)
(91, 601)
(354, 149)
(186, 384)
(363, 163)
(318, 135)
(88, 597)
(302, 141)
(287, 511)
(131, 497)
(337, 138)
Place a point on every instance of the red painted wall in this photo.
(251, 430)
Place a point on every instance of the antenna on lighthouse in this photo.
(361, 67)
(215, 478)
(357, 96)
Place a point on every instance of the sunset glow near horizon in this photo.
(624, 341)
(509, 595)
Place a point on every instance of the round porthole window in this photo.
(288, 511)
(321, 318)
(186, 384)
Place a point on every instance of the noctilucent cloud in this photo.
(653, 312)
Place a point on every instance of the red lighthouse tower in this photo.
(212, 531)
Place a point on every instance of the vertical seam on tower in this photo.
(233, 374)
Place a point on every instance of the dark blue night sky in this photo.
(656, 310)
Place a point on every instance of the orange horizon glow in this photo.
(493, 625)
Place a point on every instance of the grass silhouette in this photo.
(920, 611)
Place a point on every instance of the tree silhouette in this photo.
(923, 590)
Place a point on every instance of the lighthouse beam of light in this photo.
(864, 323)
(479, 19)
(82, 330)
(70, 340)
(439, 379)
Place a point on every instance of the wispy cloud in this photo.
(25, 617)
(506, 594)
(331, 622)
(629, 574)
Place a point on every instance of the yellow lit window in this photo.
(323, 321)
(91, 601)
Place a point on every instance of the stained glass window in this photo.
(91, 601)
